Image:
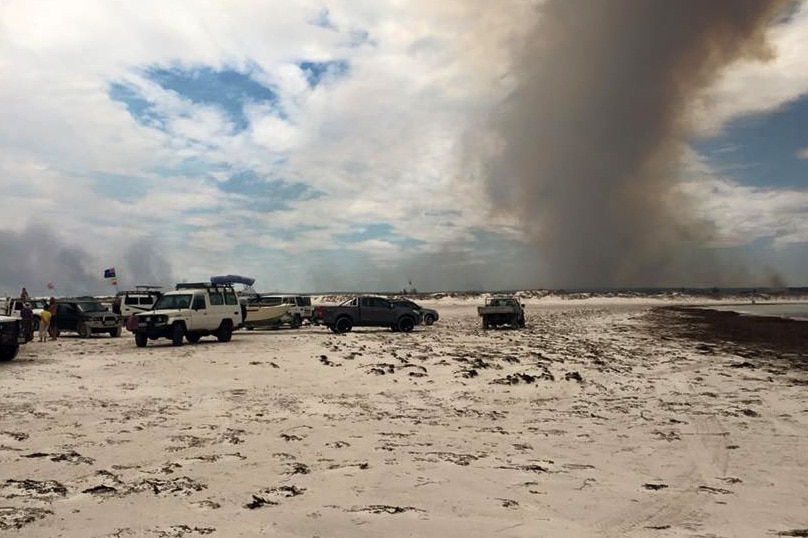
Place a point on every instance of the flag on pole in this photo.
(109, 273)
(50, 286)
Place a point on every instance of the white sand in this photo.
(376, 433)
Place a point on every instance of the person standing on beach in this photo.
(24, 294)
(44, 324)
(27, 316)
(53, 330)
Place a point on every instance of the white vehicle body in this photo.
(12, 307)
(299, 306)
(190, 313)
(128, 303)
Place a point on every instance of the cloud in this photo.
(262, 138)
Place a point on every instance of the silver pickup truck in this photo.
(502, 310)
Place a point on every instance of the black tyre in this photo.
(84, 330)
(177, 334)
(115, 333)
(8, 352)
(193, 337)
(343, 325)
(429, 319)
(225, 332)
(141, 339)
(486, 325)
(296, 322)
(406, 324)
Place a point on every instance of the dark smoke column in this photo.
(595, 132)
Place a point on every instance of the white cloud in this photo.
(755, 87)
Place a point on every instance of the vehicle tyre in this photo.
(84, 330)
(406, 324)
(177, 333)
(8, 352)
(115, 333)
(343, 325)
(225, 332)
(296, 322)
(486, 325)
(429, 319)
(141, 339)
(522, 322)
(193, 337)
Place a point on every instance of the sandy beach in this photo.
(601, 418)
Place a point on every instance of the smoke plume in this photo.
(593, 136)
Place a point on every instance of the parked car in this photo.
(130, 302)
(86, 316)
(366, 311)
(502, 310)
(11, 337)
(191, 312)
(427, 315)
(266, 310)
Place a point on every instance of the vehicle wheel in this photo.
(225, 332)
(177, 333)
(522, 321)
(193, 337)
(8, 352)
(486, 325)
(296, 322)
(115, 333)
(141, 339)
(343, 325)
(84, 330)
(406, 324)
(429, 319)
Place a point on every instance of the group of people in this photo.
(47, 323)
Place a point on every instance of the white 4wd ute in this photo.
(190, 312)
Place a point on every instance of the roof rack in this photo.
(200, 286)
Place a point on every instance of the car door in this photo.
(376, 311)
(67, 317)
(200, 317)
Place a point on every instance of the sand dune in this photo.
(600, 419)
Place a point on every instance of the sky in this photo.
(348, 145)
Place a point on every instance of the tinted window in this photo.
(199, 302)
(130, 300)
(230, 298)
(170, 302)
(216, 298)
(147, 300)
(304, 301)
(271, 301)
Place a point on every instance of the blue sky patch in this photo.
(142, 110)
(381, 231)
(316, 72)
(227, 89)
(267, 195)
(762, 150)
(120, 187)
(323, 20)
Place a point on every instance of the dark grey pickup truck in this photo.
(366, 311)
